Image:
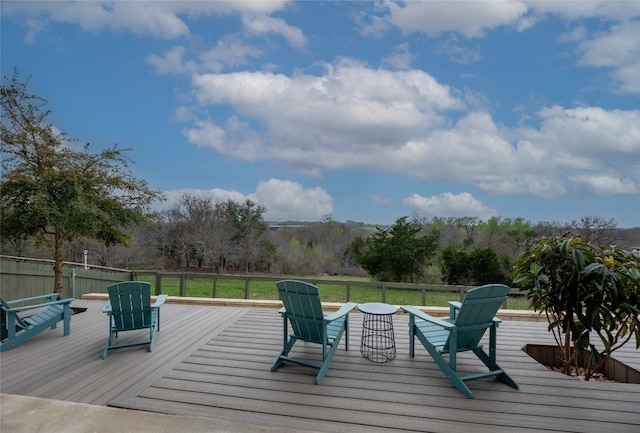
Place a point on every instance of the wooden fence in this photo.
(21, 277)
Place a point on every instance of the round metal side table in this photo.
(378, 343)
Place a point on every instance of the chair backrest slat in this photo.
(479, 307)
(304, 309)
(130, 304)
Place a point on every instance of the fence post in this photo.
(183, 285)
(247, 283)
(384, 292)
(215, 283)
(158, 284)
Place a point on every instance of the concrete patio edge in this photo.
(21, 414)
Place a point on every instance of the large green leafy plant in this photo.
(587, 292)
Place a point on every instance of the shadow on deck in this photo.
(214, 362)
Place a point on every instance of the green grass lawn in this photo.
(266, 290)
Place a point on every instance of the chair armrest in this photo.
(107, 307)
(33, 298)
(160, 299)
(424, 316)
(44, 304)
(454, 307)
(343, 311)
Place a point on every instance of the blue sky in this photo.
(365, 111)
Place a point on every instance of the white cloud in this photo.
(449, 205)
(572, 10)
(350, 107)
(172, 62)
(457, 52)
(589, 131)
(216, 195)
(160, 19)
(282, 199)
(262, 24)
(606, 185)
(401, 58)
(286, 200)
(435, 17)
(229, 52)
(618, 50)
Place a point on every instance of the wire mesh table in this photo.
(378, 343)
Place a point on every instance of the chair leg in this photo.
(492, 366)
(285, 352)
(326, 363)
(109, 343)
(110, 340)
(412, 331)
(327, 357)
(66, 316)
(447, 367)
(152, 336)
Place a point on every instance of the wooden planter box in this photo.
(613, 369)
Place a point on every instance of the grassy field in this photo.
(266, 290)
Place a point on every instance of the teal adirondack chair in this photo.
(130, 308)
(462, 331)
(303, 311)
(17, 329)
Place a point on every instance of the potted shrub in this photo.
(586, 292)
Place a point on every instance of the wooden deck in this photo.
(215, 362)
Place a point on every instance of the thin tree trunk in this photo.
(58, 264)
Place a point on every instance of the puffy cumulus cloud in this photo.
(449, 205)
(591, 131)
(606, 185)
(588, 148)
(351, 109)
(159, 18)
(436, 17)
(286, 200)
(235, 138)
(143, 18)
(618, 49)
(433, 18)
(282, 199)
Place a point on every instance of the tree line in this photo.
(199, 234)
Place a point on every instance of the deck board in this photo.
(215, 362)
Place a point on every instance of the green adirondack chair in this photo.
(46, 313)
(130, 308)
(303, 311)
(462, 331)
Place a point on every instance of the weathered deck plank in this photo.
(215, 362)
